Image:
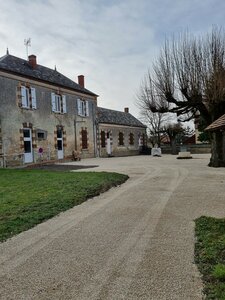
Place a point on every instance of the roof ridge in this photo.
(120, 111)
(19, 65)
(4, 56)
(111, 116)
(217, 124)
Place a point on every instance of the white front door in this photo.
(60, 143)
(28, 150)
(108, 145)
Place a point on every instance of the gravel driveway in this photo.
(135, 241)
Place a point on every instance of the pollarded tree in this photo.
(188, 78)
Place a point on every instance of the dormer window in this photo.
(59, 103)
(83, 108)
(28, 97)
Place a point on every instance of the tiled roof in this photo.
(109, 116)
(13, 64)
(218, 124)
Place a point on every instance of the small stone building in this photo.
(217, 128)
(43, 114)
(119, 133)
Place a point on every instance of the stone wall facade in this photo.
(120, 140)
(48, 129)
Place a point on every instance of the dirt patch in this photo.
(58, 167)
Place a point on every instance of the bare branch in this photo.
(188, 76)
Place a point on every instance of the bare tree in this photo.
(187, 78)
(177, 133)
(155, 121)
(173, 130)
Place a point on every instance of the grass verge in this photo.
(210, 255)
(28, 197)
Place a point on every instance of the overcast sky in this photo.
(111, 42)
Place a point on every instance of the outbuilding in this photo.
(119, 133)
(217, 129)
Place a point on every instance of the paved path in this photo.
(132, 242)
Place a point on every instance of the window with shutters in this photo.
(131, 138)
(28, 97)
(121, 139)
(58, 103)
(83, 108)
(103, 139)
(84, 139)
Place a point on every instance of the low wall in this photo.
(126, 153)
(120, 152)
(13, 160)
(194, 149)
(200, 148)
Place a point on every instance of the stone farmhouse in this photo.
(46, 116)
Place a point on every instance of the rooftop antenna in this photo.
(27, 43)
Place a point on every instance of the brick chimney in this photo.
(32, 60)
(126, 109)
(81, 80)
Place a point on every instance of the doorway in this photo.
(28, 149)
(108, 145)
(60, 143)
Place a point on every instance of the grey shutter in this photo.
(53, 102)
(24, 96)
(87, 108)
(79, 108)
(64, 103)
(33, 98)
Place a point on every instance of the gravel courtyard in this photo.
(135, 241)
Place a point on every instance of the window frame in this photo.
(43, 133)
(84, 139)
(58, 102)
(28, 97)
(103, 139)
(83, 108)
(121, 139)
(131, 139)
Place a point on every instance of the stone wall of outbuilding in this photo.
(112, 132)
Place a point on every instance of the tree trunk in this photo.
(218, 149)
(159, 140)
(173, 145)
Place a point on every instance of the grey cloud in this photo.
(111, 42)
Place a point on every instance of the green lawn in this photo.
(210, 255)
(28, 197)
